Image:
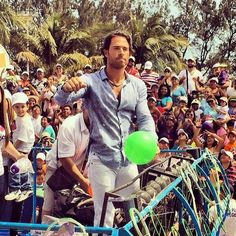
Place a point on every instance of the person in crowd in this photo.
(154, 110)
(154, 91)
(211, 111)
(88, 69)
(208, 140)
(232, 107)
(39, 80)
(231, 91)
(195, 105)
(181, 108)
(167, 126)
(230, 125)
(23, 140)
(164, 98)
(227, 160)
(113, 98)
(9, 75)
(190, 75)
(6, 146)
(65, 112)
(223, 108)
(58, 76)
(36, 120)
(213, 84)
(46, 127)
(131, 69)
(148, 76)
(24, 81)
(176, 89)
(231, 145)
(166, 78)
(73, 139)
(183, 141)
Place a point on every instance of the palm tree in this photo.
(153, 42)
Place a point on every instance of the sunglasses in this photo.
(173, 78)
(166, 71)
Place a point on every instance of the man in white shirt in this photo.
(188, 76)
(73, 139)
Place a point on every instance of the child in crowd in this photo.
(195, 105)
(223, 108)
(23, 140)
(231, 145)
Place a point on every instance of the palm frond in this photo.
(28, 56)
(77, 59)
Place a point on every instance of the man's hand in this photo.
(74, 84)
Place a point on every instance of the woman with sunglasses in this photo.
(211, 111)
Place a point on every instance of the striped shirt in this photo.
(231, 174)
(149, 79)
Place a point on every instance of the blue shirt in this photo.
(111, 119)
(179, 91)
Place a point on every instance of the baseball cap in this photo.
(168, 68)
(26, 89)
(216, 65)
(233, 98)
(10, 67)
(175, 76)
(232, 132)
(41, 156)
(181, 131)
(225, 99)
(195, 101)
(88, 66)
(19, 97)
(214, 79)
(191, 59)
(164, 139)
(152, 98)
(148, 65)
(40, 70)
(228, 153)
(45, 135)
(58, 65)
(132, 58)
(25, 73)
(183, 99)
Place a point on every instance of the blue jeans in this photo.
(21, 181)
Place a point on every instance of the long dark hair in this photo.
(159, 91)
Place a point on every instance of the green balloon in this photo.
(141, 147)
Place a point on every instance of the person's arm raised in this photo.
(73, 85)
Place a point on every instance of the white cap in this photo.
(10, 67)
(41, 156)
(88, 66)
(58, 65)
(225, 99)
(183, 99)
(79, 72)
(154, 99)
(148, 65)
(40, 70)
(175, 76)
(228, 153)
(214, 79)
(216, 65)
(195, 101)
(168, 68)
(132, 58)
(191, 59)
(181, 131)
(25, 73)
(164, 139)
(19, 97)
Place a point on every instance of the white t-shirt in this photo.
(24, 132)
(231, 92)
(73, 139)
(229, 227)
(36, 124)
(191, 84)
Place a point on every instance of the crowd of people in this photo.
(88, 117)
